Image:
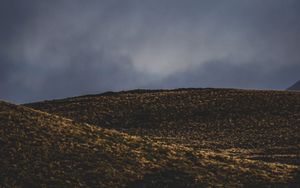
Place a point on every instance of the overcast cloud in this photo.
(53, 49)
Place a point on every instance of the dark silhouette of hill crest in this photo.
(295, 87)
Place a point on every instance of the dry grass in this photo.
(265, 123)
(39, 149)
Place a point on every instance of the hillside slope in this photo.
(39, 149)
(295, 87)
(261, 125)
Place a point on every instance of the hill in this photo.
(295, 87)
(260, 125)
(40, 149)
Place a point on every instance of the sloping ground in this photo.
(262, 125)
(39, 149)
(295, 87)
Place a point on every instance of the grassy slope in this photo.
(261, 125)
(42, 149)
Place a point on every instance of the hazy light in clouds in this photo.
(62, 48)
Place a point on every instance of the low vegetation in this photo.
(253, 124)
(39, 149)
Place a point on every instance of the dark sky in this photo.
(59, 48)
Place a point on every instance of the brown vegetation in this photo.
(177, 138)
(254, 124)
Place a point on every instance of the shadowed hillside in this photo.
(261, 125)
(39, 149)
(295, 87)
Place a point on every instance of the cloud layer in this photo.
(63, 48)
